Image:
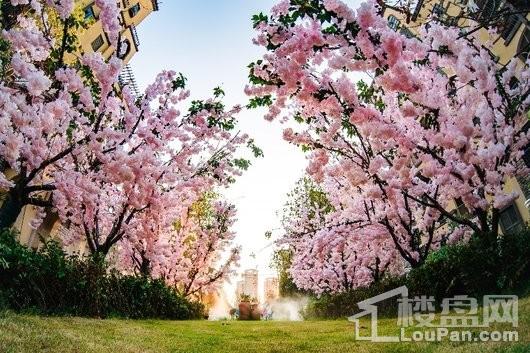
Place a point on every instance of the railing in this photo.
(135, 36)
(126, 78)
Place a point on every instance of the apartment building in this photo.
(512, 40)
(272, 289)
(94, 37)
(248, 285)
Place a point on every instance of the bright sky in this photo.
(209, 41)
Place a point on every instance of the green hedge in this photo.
(475, 269)
(48, 281)
(341, 305)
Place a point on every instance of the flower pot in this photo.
(255, 312)
(244, 311)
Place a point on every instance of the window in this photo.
(510, 219)
(406, 32)
(509, 28)
(89, 13)
(98, 43)
(393, 22)
(3, 165)
(438, 10)
(134, 10)
(125, 49)
(487, 8)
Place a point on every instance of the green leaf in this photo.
(179, 82)
(256, 102)
(259, 18)
(218, 92)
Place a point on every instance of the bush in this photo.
(475, 269)
(48, 281)
(335, 306)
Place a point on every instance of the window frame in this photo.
(98, 39)
(438, 10)
(134, 10)
(525, 34)
(89, 9)
(509, 35)
(515, 226)
(393, 20)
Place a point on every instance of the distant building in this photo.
(239, 289)
(272, 289)
(248, 285)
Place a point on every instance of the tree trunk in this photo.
(11, 208)
(9, 14)
(145, 267)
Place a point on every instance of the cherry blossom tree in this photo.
(440, 121)
(335, 258)
(195, 255)
(110, 163)
(169, 156)
(48, 110)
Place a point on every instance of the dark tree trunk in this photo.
(9, 14)
(145, 267)
(11, 208)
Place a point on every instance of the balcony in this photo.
(126, 78)
(135, 36)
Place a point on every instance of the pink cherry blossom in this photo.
(393, 155)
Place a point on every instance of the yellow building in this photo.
(512, 40)
(132, 14)
(93, 39)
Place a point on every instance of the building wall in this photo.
(248, 285)
(133, 12)
(504, 48)
(239, 289)
(272, 289)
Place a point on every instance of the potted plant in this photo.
(244, 307)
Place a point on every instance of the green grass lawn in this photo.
(22, 333)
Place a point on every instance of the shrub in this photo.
(340, 305)
(48, 281)
(477, 268)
